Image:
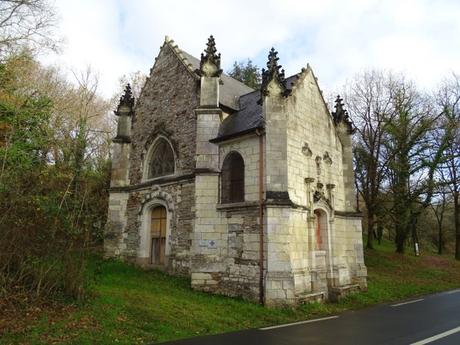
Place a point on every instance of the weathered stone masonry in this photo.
(312, 247)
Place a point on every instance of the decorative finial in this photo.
(126, 104)
(210, 61)
(341, 115)
(273, 72)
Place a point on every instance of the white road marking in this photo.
(404, 303)
(437, 337)
(299, 323)
(453, 291)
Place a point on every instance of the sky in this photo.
(337, 38)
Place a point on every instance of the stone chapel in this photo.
(248, 192)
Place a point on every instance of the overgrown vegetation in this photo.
(53, 180)
(133, 306)
(406, 151)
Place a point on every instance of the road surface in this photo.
(432, 319)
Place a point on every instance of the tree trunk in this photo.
(379, 232)
(440, 240)
(370, 229)
(400, 238)
(457, 224)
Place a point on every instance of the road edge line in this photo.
(437, 336)
(408, 302)
(298, 323)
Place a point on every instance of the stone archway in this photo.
(154, 232)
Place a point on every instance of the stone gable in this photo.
(166, 105)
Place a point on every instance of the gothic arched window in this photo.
(161, 160)
(233, 178)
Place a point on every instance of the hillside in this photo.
(134, 306)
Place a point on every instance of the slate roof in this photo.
(240, 98)
(249, 116)
(230, 91)
(247, 119)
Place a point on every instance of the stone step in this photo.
(306, 297)
(338, 292)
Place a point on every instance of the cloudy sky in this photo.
(338, 38)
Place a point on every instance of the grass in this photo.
(131, 306)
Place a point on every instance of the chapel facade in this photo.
(248, 192)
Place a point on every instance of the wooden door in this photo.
(158, 236)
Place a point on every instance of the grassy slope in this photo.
(133, 306)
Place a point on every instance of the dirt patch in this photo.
(20, 312)
(437, 262)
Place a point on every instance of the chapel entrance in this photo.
(158, 235)
(320, 253)
(320, 230)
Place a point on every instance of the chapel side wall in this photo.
(165, 107)
(229, 236)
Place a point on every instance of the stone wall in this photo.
(312, 134)
(165, 108)
(116, 222)
(178, 199)
(226, 237)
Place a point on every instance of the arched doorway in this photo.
(158, 223)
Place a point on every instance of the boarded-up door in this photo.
(158, 235)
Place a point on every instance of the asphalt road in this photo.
(433, 319)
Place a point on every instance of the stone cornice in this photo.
(348, 214)
(157, 181)
(237, 205)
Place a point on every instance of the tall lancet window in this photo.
(161, 159)
(232, 179)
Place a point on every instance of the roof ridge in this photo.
(223, 72)
(178, 52)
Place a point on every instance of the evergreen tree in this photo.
(248, 73)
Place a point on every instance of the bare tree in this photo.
(448, 98)
(136, 80)
(369, 99)
(26, 24)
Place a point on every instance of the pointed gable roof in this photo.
(247, 115)
(230, 89)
